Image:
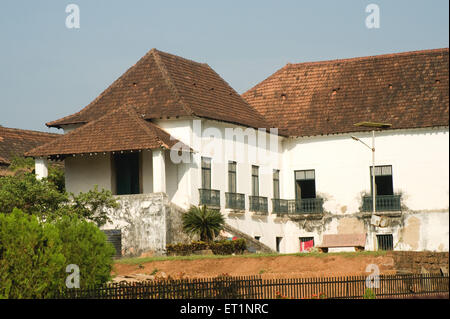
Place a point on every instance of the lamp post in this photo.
(372, 125)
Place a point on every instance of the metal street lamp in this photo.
(372, 125)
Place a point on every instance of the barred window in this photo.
(385, 242)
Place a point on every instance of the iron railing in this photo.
(303, 206)
(209, 197)
(235, 201)
(254, 287)
(384, 203)
(258, 204)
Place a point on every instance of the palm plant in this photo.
(207, 223)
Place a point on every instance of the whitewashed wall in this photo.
(419, 160)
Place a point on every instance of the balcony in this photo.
(303, 206)
(258, 204)
(235, 201)
(209, 197)
(385, 203)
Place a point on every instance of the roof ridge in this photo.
(19, 130)
(239, 95)
(103, 93)
(133, 114)
(368, 57)
(172, 87)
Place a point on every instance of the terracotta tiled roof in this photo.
(407, 90)
(15, 142)
(119, 130)
(344, 240)
(164, 85)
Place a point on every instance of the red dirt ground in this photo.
(267, 267)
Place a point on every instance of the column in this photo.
(41, 167)
(159, 171)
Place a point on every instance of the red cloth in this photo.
(306, 245)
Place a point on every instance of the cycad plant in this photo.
(207, 223)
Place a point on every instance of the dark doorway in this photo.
(383, 180)
(278, 243)
(127, 173)
(305, 184)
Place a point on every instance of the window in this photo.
(278, 243)
(206, 173)
(385, 242)
(232, 177)
(126, 171)
(257, 238)
(255, 180)
(276, 184)
(305, 184)
(306, 243)
(383, 180)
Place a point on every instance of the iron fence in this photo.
(303, 206)
(235, 201)
(258, 204)
(384, 203)
(209, 197)
(254, 287)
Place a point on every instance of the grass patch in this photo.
(137, 260)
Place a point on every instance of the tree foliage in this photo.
(44, 199)
(31, 259)
(34, 254)
(207, 223)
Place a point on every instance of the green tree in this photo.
(32, 264)
(44, 199)
(207, 223)
(85, 245)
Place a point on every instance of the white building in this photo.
(173, 126)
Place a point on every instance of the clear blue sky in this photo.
(48, 71)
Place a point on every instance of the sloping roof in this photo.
(407, 90)
(15, 142)
(119, 130)
(164, 85)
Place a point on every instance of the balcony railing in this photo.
(235, 201)
(385, 203)
(303, 206)
(258, 204)
(209, 197)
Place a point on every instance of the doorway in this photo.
(126, 168)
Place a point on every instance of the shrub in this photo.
(369, 294)
(32, 264)
(207, 223)
(34, 254)
(224, 247)
(228, 247)
(86, 246)
(186, 249)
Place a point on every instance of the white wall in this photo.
(83, 172)
(419, 160)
